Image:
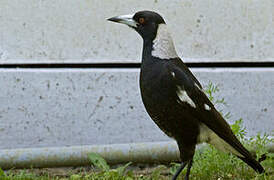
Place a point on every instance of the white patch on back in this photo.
(173, 74)
(182, 94)
(207, 107)
(163, 46)
(210, 137)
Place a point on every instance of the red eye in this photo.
(141, 20)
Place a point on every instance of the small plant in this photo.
(2, 173)
(98, 161)
(119, 173)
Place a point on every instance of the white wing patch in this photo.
(207, 107)
(210, 137)
(182, 94)
(163, 46)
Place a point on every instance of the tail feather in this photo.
(253, 163)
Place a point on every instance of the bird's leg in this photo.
(188, 169)
(179, 170)
(186, 154)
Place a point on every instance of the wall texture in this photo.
(77, 30)
(62, 107)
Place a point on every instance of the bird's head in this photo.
(144, 22)
(152, 27)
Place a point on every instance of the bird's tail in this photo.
(253, 163)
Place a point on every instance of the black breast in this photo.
(158, 90)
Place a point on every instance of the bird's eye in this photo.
(141, 20)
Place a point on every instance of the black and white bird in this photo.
(174, 98)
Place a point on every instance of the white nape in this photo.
(163, 46)
(182, 94)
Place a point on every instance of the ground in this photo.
(140, 172)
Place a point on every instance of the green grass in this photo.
(209, 163)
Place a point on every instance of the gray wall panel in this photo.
(60, 107)
(77, 30)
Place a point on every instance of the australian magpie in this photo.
(174, 98)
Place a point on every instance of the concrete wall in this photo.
(71, 30)
(63, 107)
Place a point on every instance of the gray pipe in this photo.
(158, 152)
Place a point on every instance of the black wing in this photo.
(211, 118)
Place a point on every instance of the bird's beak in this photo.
(125, 19)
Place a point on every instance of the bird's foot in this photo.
(179, 170)
(187, 177)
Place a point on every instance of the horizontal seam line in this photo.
(138, 65)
